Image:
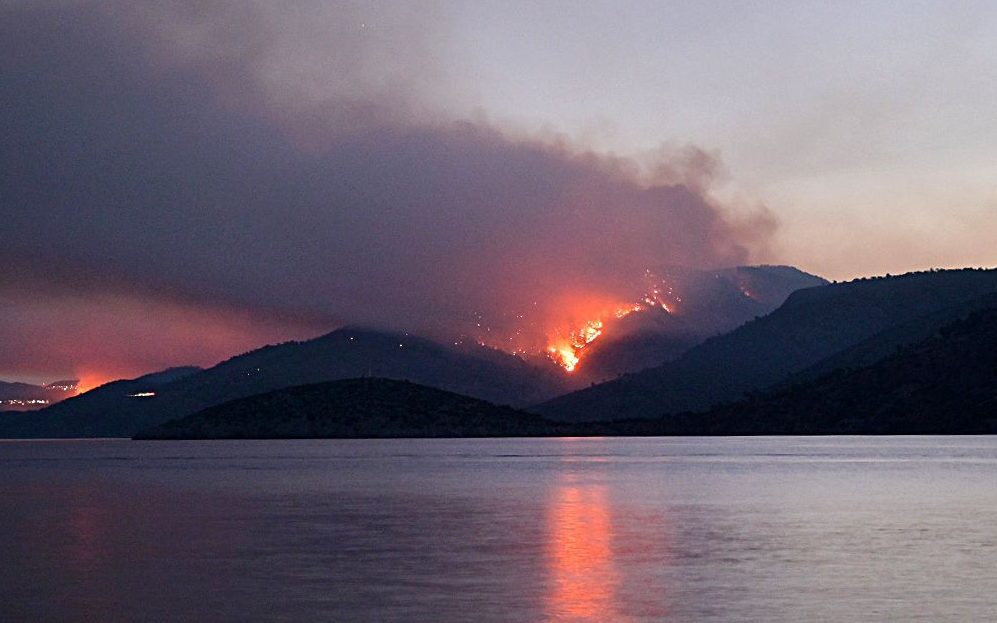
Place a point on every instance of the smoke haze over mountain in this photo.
(183, 180)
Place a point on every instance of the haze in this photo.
(181, 181)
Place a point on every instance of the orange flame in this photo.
(565, 346)
(565, 350)
(92, 380)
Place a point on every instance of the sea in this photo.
(755, 529)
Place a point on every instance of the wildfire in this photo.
(92, 380)
(565, 351)
(566, 346)
(562, 326)
(564, 356)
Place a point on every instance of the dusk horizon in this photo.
(463, 310)
(188, 183)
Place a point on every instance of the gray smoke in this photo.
(304, 165)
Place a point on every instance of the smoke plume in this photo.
(218, 174)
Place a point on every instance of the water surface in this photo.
(694, 529)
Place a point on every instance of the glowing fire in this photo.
(565, 350)
(92, 380)
(563, 324)
(565, 346)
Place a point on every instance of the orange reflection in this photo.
(84, 524)
(584, 579)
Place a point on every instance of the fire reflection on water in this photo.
(84, 530)
(583, 577)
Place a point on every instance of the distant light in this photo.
(142, 395)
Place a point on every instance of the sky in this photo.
(182, 181)
(866, 127)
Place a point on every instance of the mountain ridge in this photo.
(703, 304)
(114, 410)
(944, 384)
(812, 325)
(350, 409)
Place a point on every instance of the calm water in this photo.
(765, 529)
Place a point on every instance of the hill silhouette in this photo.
(946, 384)
(101, 412)
(813, 325)
(353, 408)
(346, 353)
(15, 396)
(704, 304)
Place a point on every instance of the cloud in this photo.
(310, 162)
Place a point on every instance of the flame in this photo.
(563, 325)
(565, 346)
(92, 380)
(564, 356)
(565, 349)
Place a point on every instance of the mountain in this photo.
(99, 412)
(813, 325)
(946, 384)
(479, 372)
(18, 396)
(701, 304)
(27, 397)
(353, 408)
(887, 342)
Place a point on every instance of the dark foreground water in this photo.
(764, 529)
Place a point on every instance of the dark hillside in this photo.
(347, 353)
(947, 384)
(354, 408)
(813, 324)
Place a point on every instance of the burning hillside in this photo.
(565, 347)
(310, 186)
(601, 336)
